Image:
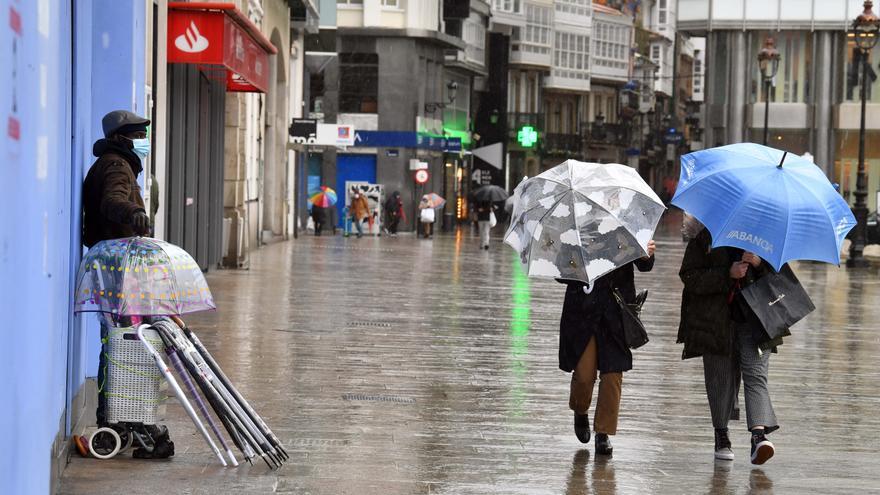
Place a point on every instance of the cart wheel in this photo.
(126, 437)
(104, 443)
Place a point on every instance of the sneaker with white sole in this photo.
(762, 449)
(723, 451)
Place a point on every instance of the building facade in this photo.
(814, 105)
(401, 74)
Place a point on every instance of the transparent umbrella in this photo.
(579, 221)
(140, 276)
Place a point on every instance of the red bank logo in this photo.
(192, 40)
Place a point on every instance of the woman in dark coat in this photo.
(590, 340)
(394, 212)
(717, 324)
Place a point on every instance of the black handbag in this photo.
(778, 300)
(634, 332)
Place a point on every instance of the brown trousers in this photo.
(610, 384)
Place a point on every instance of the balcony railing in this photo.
(608, 134)
(563, 144)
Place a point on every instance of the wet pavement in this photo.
(402, 365)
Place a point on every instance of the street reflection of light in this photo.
(456, 265)
(520, 319)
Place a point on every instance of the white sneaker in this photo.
(723, 451)
(724, 454)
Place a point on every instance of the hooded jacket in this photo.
(111, 194)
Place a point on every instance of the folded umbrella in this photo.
(775, 204)
(579, 221)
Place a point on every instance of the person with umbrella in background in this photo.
(486, 220)
(589, 226)
(427, 211)
(322, 202)
(486, 198)
(752, 209)
(394, 213)
(113, 208)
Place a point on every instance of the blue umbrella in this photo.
(770, 202)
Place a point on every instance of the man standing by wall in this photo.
(113, 208)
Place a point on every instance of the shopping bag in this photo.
(634, 332)
(779, 301)
(427, 215)
(492, 220)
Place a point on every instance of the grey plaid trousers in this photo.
(723, 375)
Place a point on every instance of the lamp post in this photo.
(768, 62)
(865, 30)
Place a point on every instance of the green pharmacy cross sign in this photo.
(527, 136)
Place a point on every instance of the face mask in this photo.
(141, 147)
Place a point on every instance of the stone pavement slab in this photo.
(409, 366)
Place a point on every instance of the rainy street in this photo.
(403, 365)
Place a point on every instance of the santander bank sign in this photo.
(191, 41)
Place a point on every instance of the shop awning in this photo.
(218, 34)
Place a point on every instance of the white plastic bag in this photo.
(427, 215)
(492, 220)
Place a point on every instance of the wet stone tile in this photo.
(450, 355)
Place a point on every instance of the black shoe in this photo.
(723, 451)
(603, 444)
(762, 449)
(582, 427)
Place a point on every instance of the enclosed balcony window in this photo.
(570, 57)
(509, 6)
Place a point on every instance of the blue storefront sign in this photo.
(406, 139)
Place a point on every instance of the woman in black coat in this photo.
(591, 340)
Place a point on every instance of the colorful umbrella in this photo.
(140, 276)
(775, 204)
(579, 221)
(432, 200)
(324, 197)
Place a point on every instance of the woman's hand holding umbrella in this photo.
(652, 247)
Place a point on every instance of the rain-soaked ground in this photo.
(402, 365)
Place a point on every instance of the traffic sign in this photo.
(422, 176)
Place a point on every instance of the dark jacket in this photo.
(710, 304)
(111, 194)
(484, 211)
(598, 314)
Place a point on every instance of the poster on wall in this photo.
(375, 194)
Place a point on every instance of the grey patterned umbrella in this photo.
(579, 221)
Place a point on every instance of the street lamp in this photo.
(865, 30)
(768, 61)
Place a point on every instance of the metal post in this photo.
(860, 209)
(766, 110)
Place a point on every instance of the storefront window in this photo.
(846, 165)
(792, 81)
(853, 74)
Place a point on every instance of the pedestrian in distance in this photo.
(113, 208)
(426, 216)
(591, 342)
(719, 326)
(485, 213)
(394, 213)
(360, 211)
(319, 217)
